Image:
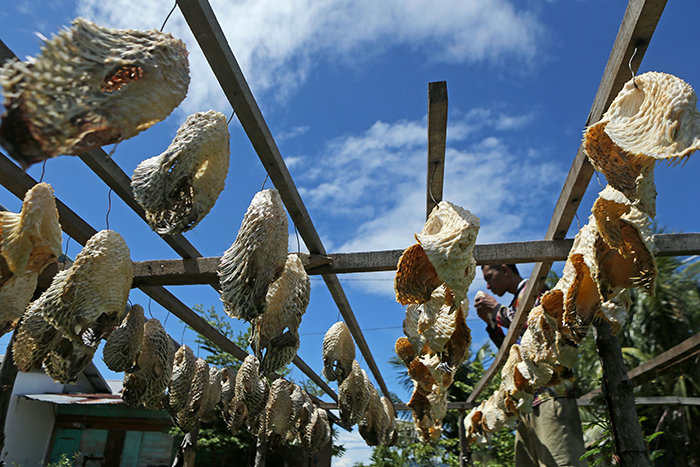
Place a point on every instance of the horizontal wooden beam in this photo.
(211, 38)
(581, 402)
(403, 406)
(636, 30)
(648, 371)
(667, 401)
(204, 270)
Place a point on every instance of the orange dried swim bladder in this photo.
(432, 278)
(89, 87)
(653, 118)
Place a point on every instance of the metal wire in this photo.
(168, 17)
(109, 207)
(43, 171)
(634, 81)
(264, 181)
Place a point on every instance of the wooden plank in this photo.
(667, 401)
(650, 370)
(204, 270)
(207, 31)
(403, 406)
(17, 182)
(437, 140)
(636, 30)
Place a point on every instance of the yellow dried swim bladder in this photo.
(90, 86)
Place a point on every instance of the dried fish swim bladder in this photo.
(29, 241)
(184, 365)
(124, 343)
(256, 259)
(145, 382)
(178, 188)
(276, 331)
(448, 238)
(89, 299)
(338, 352)
(654, 117)
(444, 253)
(353, 395)
(89, 87)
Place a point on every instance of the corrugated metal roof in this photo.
(76, 398)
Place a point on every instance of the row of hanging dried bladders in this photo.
(653, 118)
(83, 92)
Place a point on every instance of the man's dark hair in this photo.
(512, 267)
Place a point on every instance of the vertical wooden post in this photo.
(437, 138)
(188, 449)
(464, 460)
(617, 387)
(260, 454)
(8, 375)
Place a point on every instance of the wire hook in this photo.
(109, 207)
(430, 186)
(43, 170)
(296, 232)
(168, 17)
(634, 81)
(264, 181)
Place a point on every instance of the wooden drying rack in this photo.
(636, 30)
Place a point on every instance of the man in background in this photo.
(551, 435)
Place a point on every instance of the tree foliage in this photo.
(656, 324)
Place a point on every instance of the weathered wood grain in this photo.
(203, 270)
(437, 140)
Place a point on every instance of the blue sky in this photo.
(343, 87)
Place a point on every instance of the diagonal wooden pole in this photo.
(636, 30)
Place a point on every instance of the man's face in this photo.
(495, 279)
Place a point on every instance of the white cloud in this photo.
(293, 133)
(356, 449)
(374, 183)
(277, 43)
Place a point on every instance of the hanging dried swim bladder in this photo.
(81, 307)
(256, 259)
(277, 330)
(338, 352)
(124, 343)
(443, 254)
(653, 118)
(29, 241)
(90, 86)
(432, 278)
(178, 188)
(145, 382)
